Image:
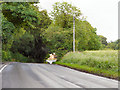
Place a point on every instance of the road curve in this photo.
(26, 75)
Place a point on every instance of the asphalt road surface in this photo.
(24, 75)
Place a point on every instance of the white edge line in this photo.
(3, 68)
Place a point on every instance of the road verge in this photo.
(91, 70)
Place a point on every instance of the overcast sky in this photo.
(102, 14)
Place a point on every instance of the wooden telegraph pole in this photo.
(73, 33)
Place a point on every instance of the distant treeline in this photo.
(115, 45)
(30, 35)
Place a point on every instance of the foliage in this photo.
(20, 19)
(63, 14)
(92, 70)
(114, 45)
(103, 40)
(7, 33)
(86, 37)
(106, 60)
(59, 40)
(102, 62)
(19, 13)
(31, 33)
(59, 35)
(6, 56)
(21, 58)
(15, 57)
(23, 44)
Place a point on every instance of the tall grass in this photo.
(101, 62)
(103, 59)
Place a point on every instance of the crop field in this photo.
(101, 62)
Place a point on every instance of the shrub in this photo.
(15, 57)
(6, 55)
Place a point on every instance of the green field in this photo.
(102, 62)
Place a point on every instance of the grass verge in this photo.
(91, 70)
(100, 62)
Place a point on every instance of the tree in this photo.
(63, 14)
(86, 37)
(103, 40)
(31, 33)
(58, 40)
(23, 18)
(7, 33)
(94, 42)
(114, 45)
(59, 35)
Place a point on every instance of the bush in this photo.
(20, 58)
(15, 57)
(6, 56)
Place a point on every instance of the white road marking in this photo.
(3, 68)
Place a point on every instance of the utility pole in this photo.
(73, 33)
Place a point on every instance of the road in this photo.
(24, 75)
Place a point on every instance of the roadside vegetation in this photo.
(33, 34)
(30, 35)
(100, 62)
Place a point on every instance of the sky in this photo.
(101, 14)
